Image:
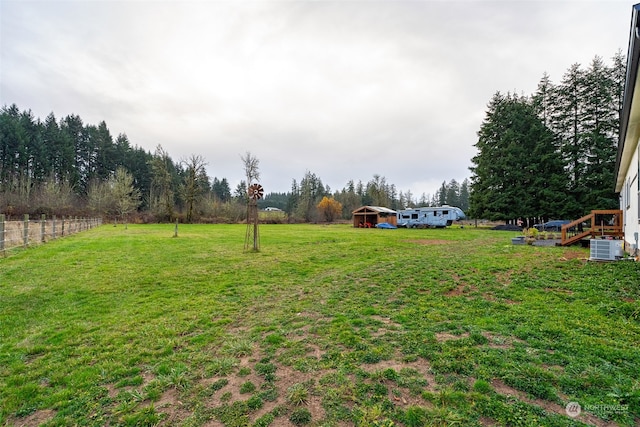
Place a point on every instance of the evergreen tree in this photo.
(453, 193)
(377, 193)
(221, 190)
(349, 200)
(442, 194)
(618, 75)
(51, 142)
(544, 100)
(311, 192)
(138, 162)
(104, 162)
(240, 193)
(516, 167)
(600, 121)
(567, 125)
(294, 199)
(72, 160)
(9, 142)
(464, 195)
(276, 200)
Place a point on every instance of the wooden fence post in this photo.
(2, 233)
(25, 236)
(53, 227)
(43, 223)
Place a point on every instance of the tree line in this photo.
(301, 203)
(67, 167)
(552, 154)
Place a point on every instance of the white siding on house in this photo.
(627, 182)
(630, 200)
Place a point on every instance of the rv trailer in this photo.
(429, 217)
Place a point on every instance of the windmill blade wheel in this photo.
(256, 191)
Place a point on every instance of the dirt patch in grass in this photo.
(34, 420)
(584, 417)
(498, 341)
(175, 411)
(445, 336)
(388, 325)
(315, 350)
(570, 254)
(112, 390)
(401, 396)
(170, 405)
(504, 277)
(485, 421)
(461, 289)
(287, 377)
(387, 321)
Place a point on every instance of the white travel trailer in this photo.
(434, 217)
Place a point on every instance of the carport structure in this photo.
(369, 216)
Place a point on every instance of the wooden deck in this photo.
(599, 223)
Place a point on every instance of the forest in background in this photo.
(67, 167)
(547, 155)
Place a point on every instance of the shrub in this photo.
(300, 416)
(254, 402)
(415, 416)
(264, 420)
(247, 387)
(221, 366)
(482, 386)
(219, 384)
(297, 394)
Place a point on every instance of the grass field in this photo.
(325, 326)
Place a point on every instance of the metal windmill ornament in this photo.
(254, 192)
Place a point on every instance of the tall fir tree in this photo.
(516, 172)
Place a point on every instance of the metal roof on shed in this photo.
(380, 209)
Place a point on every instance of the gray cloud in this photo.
(343, 89)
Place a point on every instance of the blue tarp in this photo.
(385, 225)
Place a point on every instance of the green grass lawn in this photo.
(325, 326)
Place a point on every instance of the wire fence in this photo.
(31, 232)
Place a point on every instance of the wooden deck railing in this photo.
(606, 222)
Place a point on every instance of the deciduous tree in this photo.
(194, 181)
(162, 189)
(125, 196)
(330, 208)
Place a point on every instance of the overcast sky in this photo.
(343, 89)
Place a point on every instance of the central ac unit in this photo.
(606, 250)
